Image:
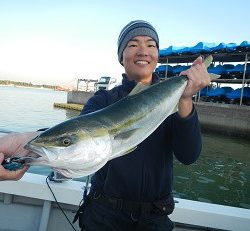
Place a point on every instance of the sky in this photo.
(57, 42)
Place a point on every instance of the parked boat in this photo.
(206, 48)
(235, 96)
(219, 94)
(244, 46)
(226, 71)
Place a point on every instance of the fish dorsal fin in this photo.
(126, 134)
(138, 88)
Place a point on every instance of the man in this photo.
(12, 145)
(134, 192)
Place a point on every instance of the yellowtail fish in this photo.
(82, 145)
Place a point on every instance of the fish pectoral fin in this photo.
(125, 135)
(138, 88)
(122, 153)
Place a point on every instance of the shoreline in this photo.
(19, 86)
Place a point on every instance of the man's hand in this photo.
(10, 175)
(12, 145)
(198, 78)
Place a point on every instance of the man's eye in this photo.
(132, 45)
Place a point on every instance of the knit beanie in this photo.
(133, 29)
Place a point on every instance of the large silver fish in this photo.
(82, 145)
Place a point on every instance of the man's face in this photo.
(140, 58)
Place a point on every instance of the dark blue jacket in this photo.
(146, 173)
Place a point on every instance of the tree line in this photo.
(24, 84)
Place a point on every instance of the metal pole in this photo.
(77, 84)
(243, 80)
(199, 96)
(166, 73)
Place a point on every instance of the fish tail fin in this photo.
(207, 61)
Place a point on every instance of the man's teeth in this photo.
(141, 62)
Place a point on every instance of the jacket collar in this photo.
(130, 84)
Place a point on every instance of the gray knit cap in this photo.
(133, 29)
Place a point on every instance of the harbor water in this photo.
(220, 176)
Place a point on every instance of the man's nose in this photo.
(142, 51)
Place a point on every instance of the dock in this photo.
(229, 119)
(70, 106)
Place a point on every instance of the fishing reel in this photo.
(14, 163)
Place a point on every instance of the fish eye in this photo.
(66, 142)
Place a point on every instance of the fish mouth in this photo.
(33, 148)
(40, 151)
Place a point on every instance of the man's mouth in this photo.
(141, 62)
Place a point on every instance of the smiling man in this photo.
(138, 51)
(140, 59)
(134, 192)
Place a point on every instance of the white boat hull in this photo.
(28, 205)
